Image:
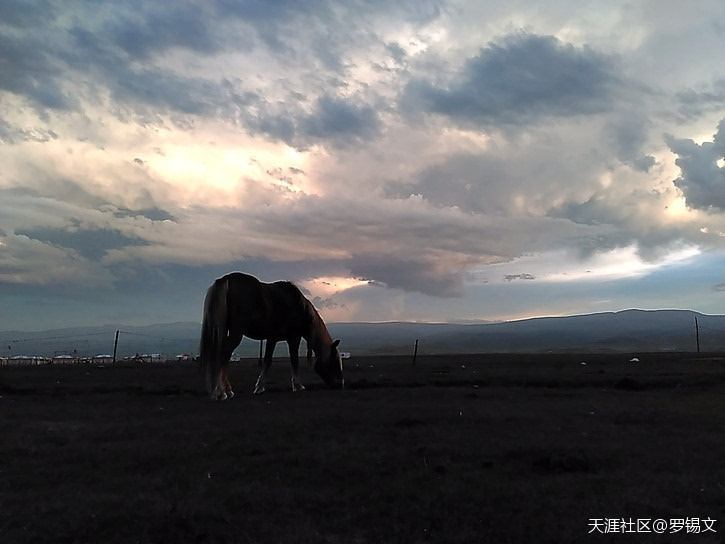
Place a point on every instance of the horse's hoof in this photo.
(216, 395)
(297, 387)
(259, 390)
(230, 394)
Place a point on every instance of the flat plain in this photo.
(478, 448)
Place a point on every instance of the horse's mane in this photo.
(317, 325)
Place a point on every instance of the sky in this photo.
(415, 160)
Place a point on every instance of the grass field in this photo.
(482, 448)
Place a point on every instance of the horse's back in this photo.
(265, 309)
(240, 279)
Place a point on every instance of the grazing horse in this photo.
(239, 305)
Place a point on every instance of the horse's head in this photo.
(329, 366)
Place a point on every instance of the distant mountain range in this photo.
(624, 331)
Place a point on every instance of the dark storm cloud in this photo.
(594, 211)
(268, 20)
(90, 243)
(25, 13)
(154, 214)
(144, 88)
(695, 102)
(341, 119)
(517, 79)
(27, 69)
(142, 33)
(335, 120)
(620, 220)
(112, 56)
(627, 133)
(170, 278)
(421, 274)
(275, 23)
(60, 189)
(702, 180)
(35, 65)
(140, 87)
(397, 53)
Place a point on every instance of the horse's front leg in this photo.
(294, 346)
(261, 385)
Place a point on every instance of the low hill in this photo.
(624, 331)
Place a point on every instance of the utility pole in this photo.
(415, 351)
(697, 334)
(115, 346)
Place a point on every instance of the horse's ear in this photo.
(335, 343)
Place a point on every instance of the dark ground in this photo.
(484, 449)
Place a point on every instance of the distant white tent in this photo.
(103, 358)
(29, 360)
(64, 359)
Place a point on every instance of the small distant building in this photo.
(344, 355)
(184, 357)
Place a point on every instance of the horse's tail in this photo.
(213, 332)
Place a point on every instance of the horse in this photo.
(239, 305)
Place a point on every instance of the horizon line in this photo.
(462, 322)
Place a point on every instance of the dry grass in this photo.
(507, 449)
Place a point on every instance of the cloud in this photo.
(335, 120)
(518, 80)
(24, 260)
(525, 276)
(340, 120)
(25, 13)
(10, 134)
(149, 31)
(91, 243)
(437, 277)
(621, 218)
(627, 133)
(28, 71)
(511, 178)
(327, 303)
(702, 180)
(156, 147)
(153, 213)
(696, 102)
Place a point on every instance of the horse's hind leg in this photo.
(294, 357)
(225, 387)
(213, 380)
(217, 379)
(225, 383)
(260, 386)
